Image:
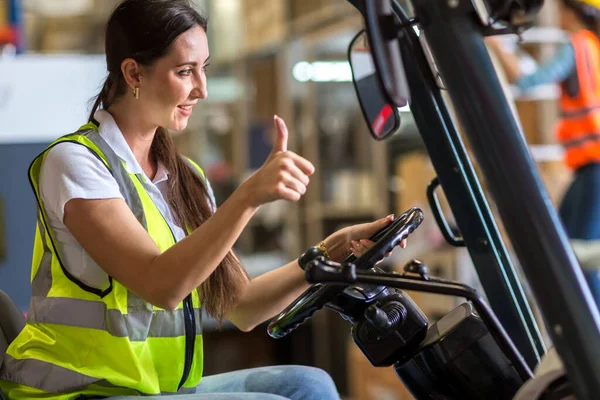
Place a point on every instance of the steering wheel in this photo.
(318, 295)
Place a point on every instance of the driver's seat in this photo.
(12, 323)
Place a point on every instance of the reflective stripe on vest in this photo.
(104, 341)
(579, 128)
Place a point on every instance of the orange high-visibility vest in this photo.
(579, 127)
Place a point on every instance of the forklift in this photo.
(486, 348)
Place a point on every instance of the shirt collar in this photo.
(161, 174)
(110, 132)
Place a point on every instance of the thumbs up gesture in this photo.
(284, 174)
(281, 138)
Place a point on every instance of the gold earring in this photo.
(136, 92)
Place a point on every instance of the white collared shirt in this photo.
(71, 171)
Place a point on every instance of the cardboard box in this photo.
(307, 16)
(103, 8)
(527, 112)
(66, 35)
(556, 177)
(265, 23)
(413, 173)
(366, 382)
(303, 8)
(3, 13)
(538, 120)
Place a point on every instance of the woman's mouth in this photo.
(185, 110)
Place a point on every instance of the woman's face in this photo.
(174, 83)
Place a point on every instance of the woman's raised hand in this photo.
(284, 174)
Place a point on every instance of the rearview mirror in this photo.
(382, 118)
(385, 47)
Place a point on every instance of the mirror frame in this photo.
(384, 41)
(398, 118)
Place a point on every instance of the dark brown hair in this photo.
(143, 30)
(588, 14)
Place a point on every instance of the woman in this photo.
(129, 244)
(576, 67)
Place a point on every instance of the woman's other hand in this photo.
(355, 239)
(283, 176)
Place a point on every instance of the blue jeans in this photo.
(267, 383)
(579, 212)
(580, 207)
(593, 280)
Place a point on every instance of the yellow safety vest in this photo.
(81, 341)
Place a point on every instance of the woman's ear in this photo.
(131, 70)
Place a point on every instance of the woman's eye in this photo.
(186, 72)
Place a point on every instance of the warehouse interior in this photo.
(267, 57)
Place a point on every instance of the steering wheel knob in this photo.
(311, 254)
(417, 267)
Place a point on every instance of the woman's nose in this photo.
(202, 92)
(200, 89)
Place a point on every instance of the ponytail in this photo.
(189, 202)
(144, 30)
(111, 89)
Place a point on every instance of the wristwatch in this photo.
(312, 253)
